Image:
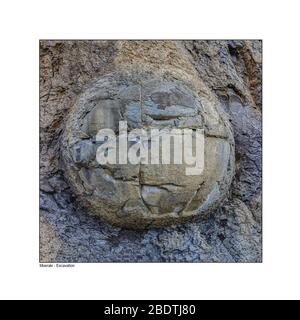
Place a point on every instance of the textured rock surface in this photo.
(228, 74)
(143, 195)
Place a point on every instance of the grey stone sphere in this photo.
(145, 195)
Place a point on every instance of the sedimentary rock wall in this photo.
(224, 77)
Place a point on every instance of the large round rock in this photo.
(144, 195)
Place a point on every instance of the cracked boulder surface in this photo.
(146, 194)
(214, 85)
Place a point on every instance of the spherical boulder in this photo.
(144, 194)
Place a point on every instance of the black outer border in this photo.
(262, 222)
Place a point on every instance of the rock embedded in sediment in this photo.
(232, 233)
(146, 194)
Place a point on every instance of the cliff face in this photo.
(229, 73)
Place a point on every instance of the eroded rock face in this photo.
(143, 195)
(231, 72)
